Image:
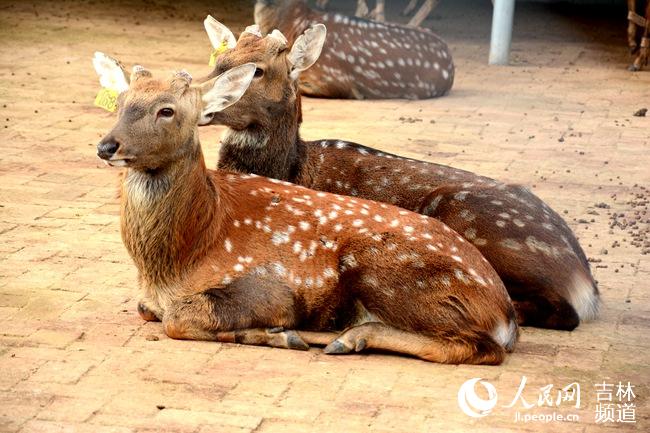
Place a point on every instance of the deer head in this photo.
(274, 90)
(157, 118)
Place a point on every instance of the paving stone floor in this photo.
(75, 356)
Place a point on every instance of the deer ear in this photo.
(219, 34)
(220, 93)
(111, 73)
(306, 49)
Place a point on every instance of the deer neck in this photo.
(170, 218)
(274, 150)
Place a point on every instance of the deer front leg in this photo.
(237, 313)
(631, 27)
(191, 319)
(273, 337)
(641, 59)
(644, 52)
(148, 311)
(378, 13)
(409, 7)
(362, 9)
(423, 13)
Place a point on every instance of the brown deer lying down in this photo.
(234, 257)
(364, 59)
(638, 32)
(527, 243)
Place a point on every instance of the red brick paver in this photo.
(74, 355)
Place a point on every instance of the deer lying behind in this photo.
(225, 256)
(364, 59)
(527, 243)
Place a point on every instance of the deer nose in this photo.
(107, 148)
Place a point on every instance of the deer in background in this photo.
(528, 244)
(239, 258)
(364, 59)
(638, 37)
(378, 13)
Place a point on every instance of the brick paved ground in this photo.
(74, 355)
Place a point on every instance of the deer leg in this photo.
(423, 13)
(461, 347)
(410, 7)
(148, 312)
(642, 58)
(277, 337)
(317, 338)
(190, 319)
(378, 13)
(362, 9)
(631, 27)
(238, 313)
(273, 337)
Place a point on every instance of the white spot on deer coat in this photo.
(511, 244)
(467, 215)
(348, 261)
(279, 238)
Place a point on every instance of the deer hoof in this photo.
(633, 68)
(276, 330)
(146, 313)
(295, 342)
(350, 341)
(337, 347)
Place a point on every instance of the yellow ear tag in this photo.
(107, 99)
(215, 53)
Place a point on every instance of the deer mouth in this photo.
(117, 162)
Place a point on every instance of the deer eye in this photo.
(165, 112)
(259, 72)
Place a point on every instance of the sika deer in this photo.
(527, 243)
(364, 59)
(221, 256)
